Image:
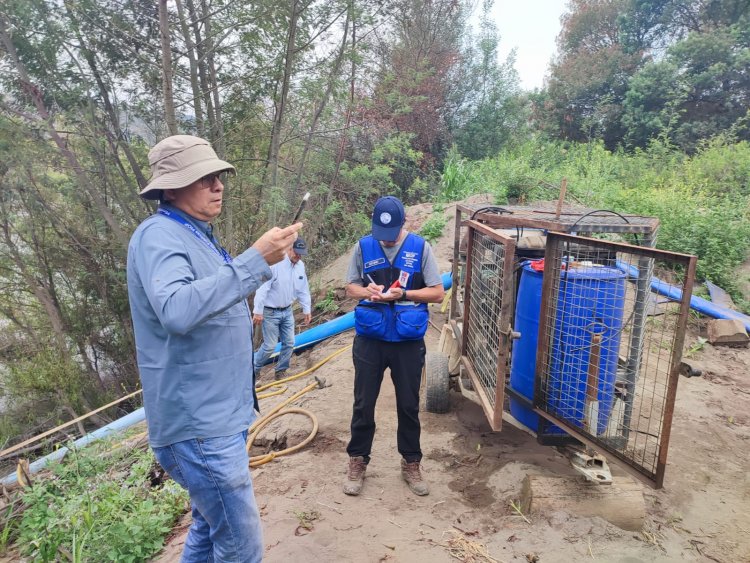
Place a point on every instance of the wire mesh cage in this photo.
(487, 315)
(609, 351)
(595, 355)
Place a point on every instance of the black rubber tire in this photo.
(436, 383)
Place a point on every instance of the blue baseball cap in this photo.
(387, 218)
(300, 246)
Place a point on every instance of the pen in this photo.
(394, 284)
(300, 208)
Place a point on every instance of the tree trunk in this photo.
(192, 59)
(42, 293)
(348, 119)
(217, 138)
(218, 141)
(166, 68)
(323, 102)
(278, 120)
(195, 19)
(108, 107)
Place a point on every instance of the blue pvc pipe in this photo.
(698, 303)
(116, 426)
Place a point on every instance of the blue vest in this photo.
(395, 321)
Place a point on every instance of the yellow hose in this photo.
(277, 411)
(273, 393)
(257, 460)
(303, 373)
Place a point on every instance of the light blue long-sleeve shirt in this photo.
(288, 283)
(193, 330)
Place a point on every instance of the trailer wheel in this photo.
(436, 379)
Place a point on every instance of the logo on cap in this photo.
(385, 218)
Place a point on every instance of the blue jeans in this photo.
(277, 325)
(226, 522)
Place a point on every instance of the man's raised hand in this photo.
(275, 243)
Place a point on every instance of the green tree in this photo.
(416, 77)
(492, 112)
(589, 79)
(699, 90)
(631, 70)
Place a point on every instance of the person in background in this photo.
(394, 274)
(193, 335)
(272, 308)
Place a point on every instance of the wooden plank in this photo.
(561, 199)
(727, 332)
(620, 503)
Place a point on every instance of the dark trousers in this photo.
(371, 358)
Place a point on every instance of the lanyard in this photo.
(223, 254)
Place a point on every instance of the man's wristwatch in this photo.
(403, 296)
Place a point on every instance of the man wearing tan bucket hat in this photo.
(193, 332)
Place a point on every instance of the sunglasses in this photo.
(209, 180)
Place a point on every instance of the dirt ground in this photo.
(701, 514)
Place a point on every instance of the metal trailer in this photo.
(602, 382)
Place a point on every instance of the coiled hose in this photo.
(279, 411)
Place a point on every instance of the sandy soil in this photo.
(701, 514)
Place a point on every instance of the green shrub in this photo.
(328, 304)
(454, 181)
(99, 508)
(350, 226)
(433, 227)
(720, 169)
(47, 374)
(713, 229)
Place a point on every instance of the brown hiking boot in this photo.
(355, 476)
(413, 477)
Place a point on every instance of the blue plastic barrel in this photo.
(523, 356)
(591, 302)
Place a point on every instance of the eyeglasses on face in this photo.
(209, 180)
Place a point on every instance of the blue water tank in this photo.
(590, 302)
(523, 356)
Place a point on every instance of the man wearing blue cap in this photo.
(272, 307)
(394, 275)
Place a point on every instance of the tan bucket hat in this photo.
(178, 161)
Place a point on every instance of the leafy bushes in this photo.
(702, 201)
(433, 227)
(328, 304)
(95, 510)
(454, 181)
(48, 374)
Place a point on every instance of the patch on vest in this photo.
(373, 263)
(409, 259)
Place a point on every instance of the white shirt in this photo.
(287, 284)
